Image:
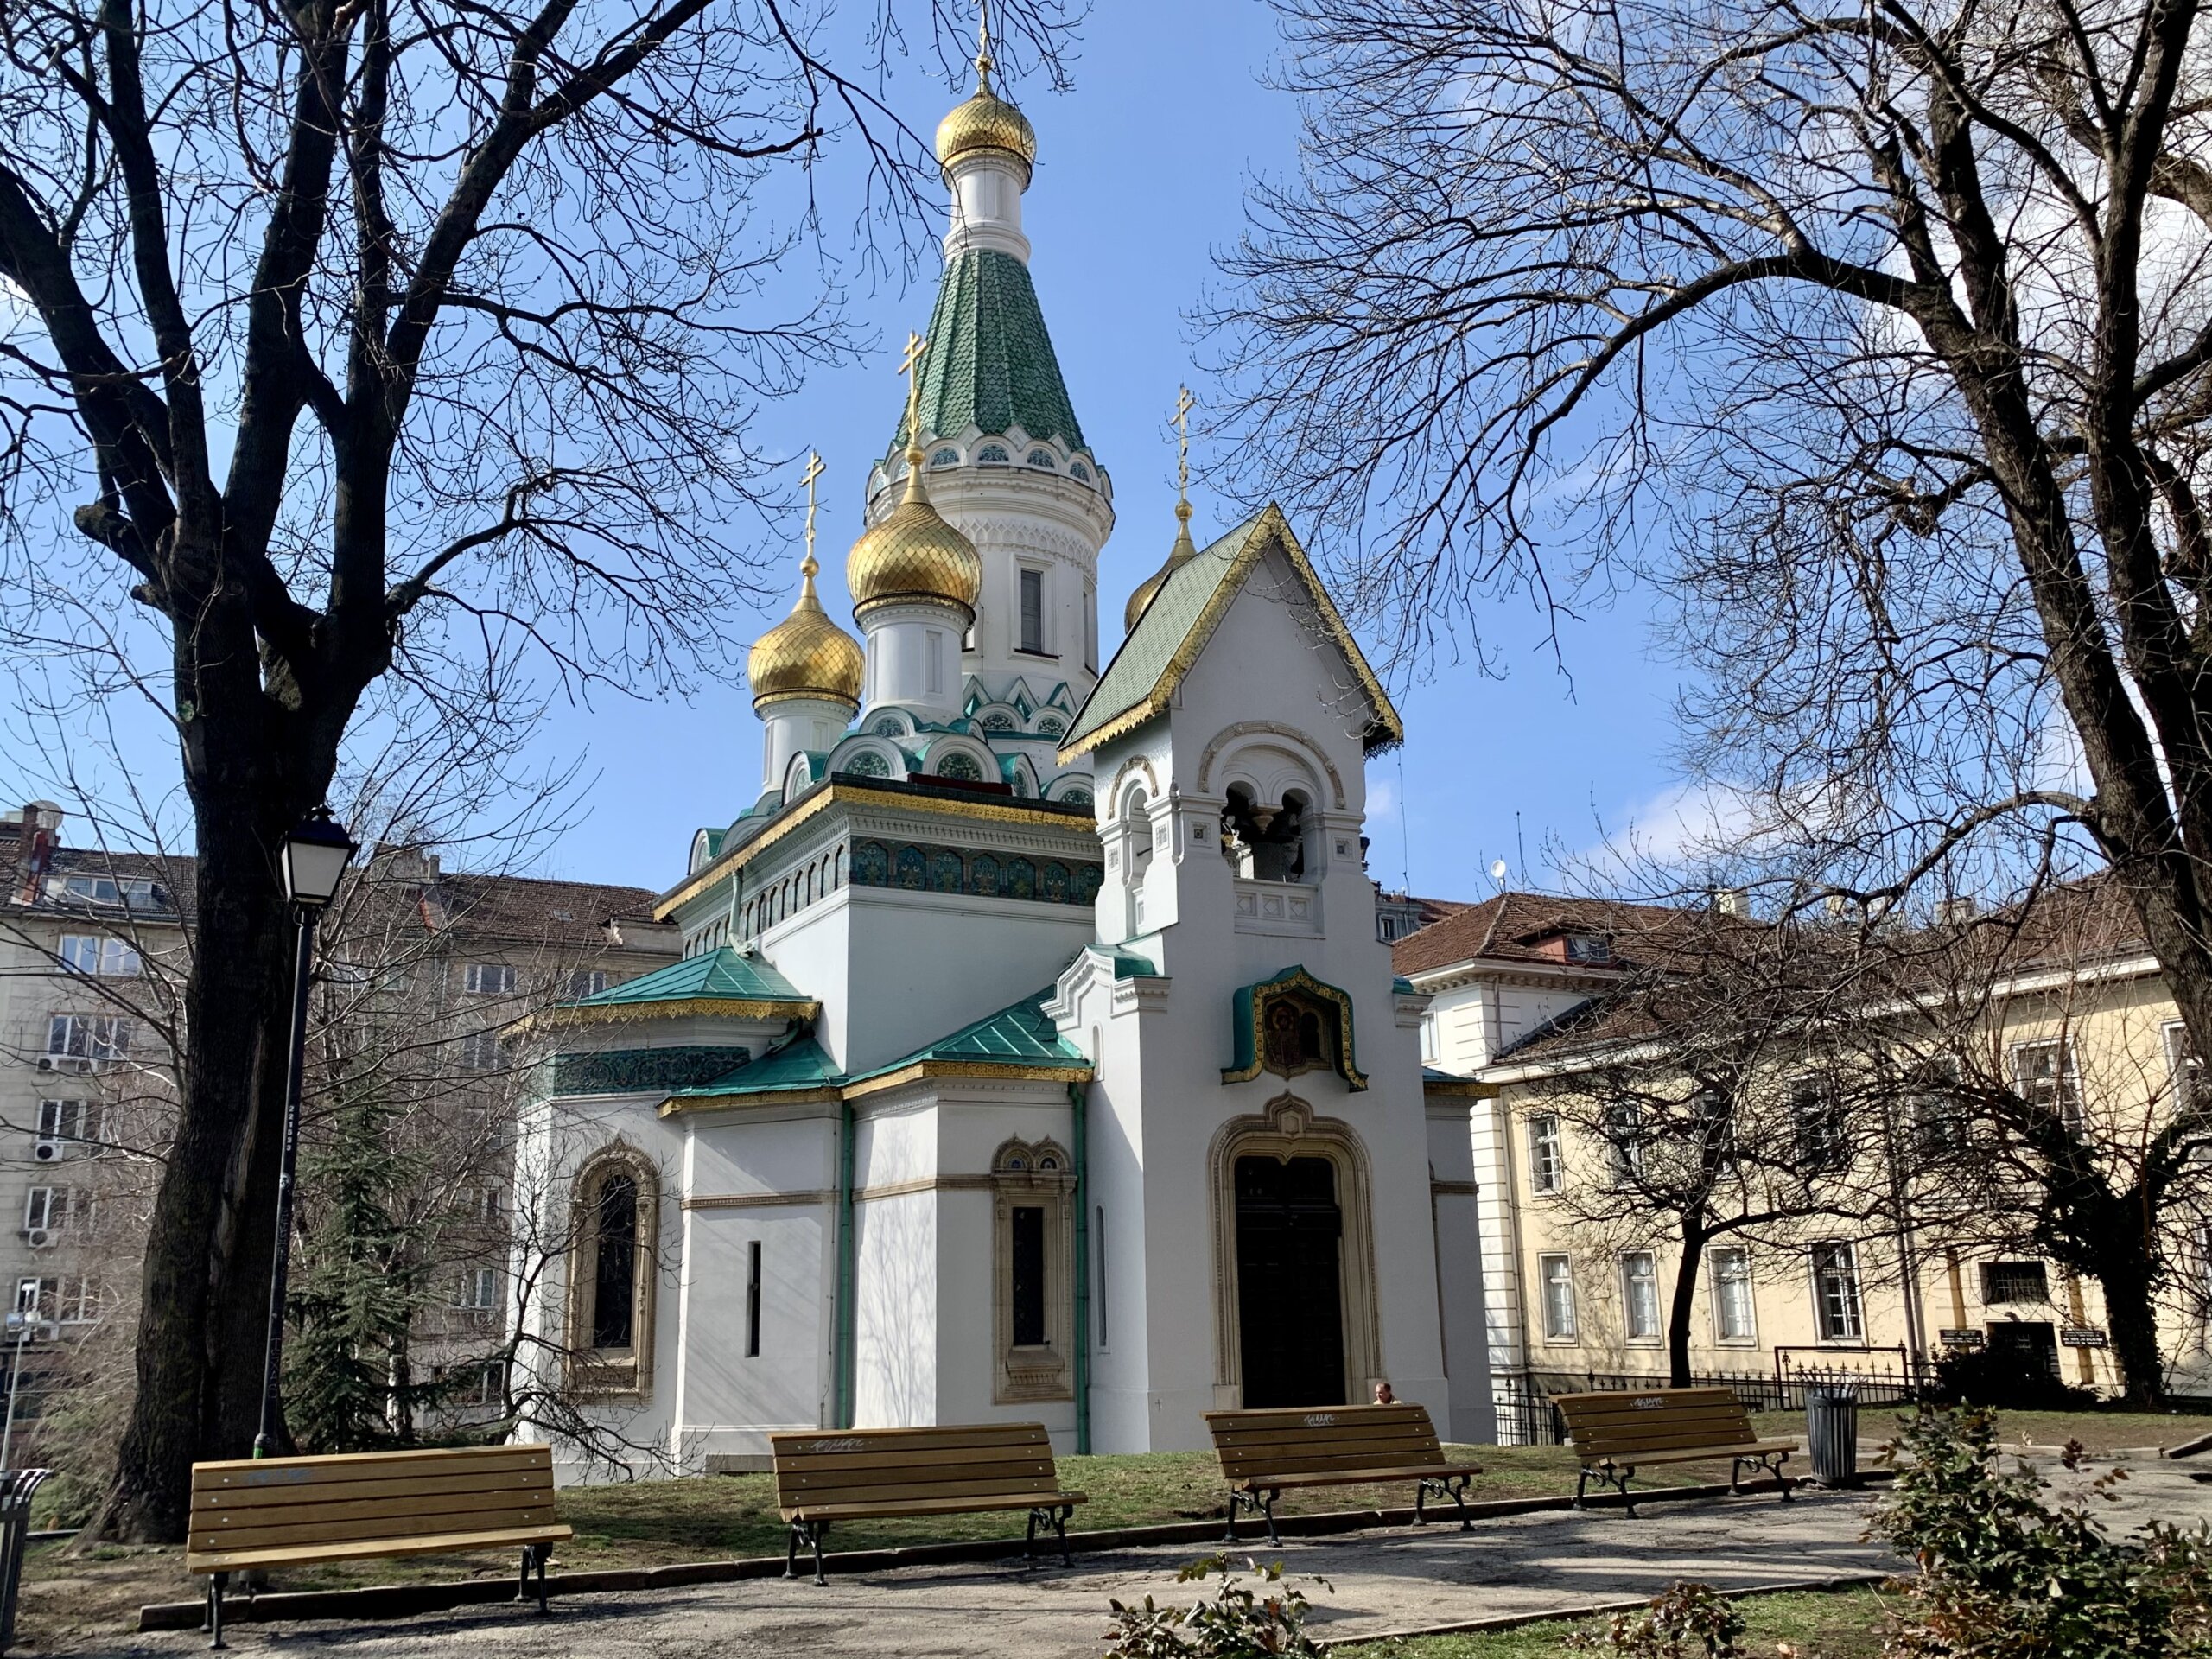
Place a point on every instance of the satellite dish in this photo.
(1497, 871)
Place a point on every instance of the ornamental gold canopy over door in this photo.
(1289, 1286)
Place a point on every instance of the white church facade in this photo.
(1033, 1055)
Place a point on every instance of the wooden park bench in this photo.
(293, 1511)
(1616, 1432)
(856, 1474)
(1265, 1453)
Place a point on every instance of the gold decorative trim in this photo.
(1464, 1087)
(924, 1184)
(1004, 1070)
(685, 1008)
(851, 794)
(807, 1094)
(773, 698)
(1272, 529)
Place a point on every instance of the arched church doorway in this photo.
(1289, 1282)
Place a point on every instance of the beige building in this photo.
(424, 970)
(1518, 986)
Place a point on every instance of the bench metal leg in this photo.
(791, 1550)
(216, 1585)
(1029, 1540)
(522, 1585)
(1268, 1512)
(1452, 1486)
(815, 1529)
(544, 1551)
(1060, 1531)
(1613, 1475)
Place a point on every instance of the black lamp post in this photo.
(316, 857)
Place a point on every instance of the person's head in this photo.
(1382, 1395)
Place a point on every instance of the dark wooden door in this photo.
(2030, 1344)
(1289, 1297)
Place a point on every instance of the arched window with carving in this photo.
(611, 1276)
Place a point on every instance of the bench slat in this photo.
(824, 1475)
(396, 1506)
(273, 1500)
(231, 1560)
(955, 1483)
(284, 1473)
(1049, 1498)
(1339, 1446)
(351, 1532)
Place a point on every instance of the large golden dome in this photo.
(1178, 556)
(805, 655)
(986, 122)
(914, 554)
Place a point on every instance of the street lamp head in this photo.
(316, 854)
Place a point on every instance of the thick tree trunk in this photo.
(2132, 1328)
(1685, 1301)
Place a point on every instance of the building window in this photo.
(946, 458)
(1734, 1320)
(753, 1300)
(2184, 1069)
(101, 958)
(94, 1038)
(1556, 1275)
(1041, 458)
(2014, 1281)
(1033, 611)
(1430, 1050)
(102, 890)
(612, 1277)
(993, 455)
(932, 663)
(1837, 1313)
(488, 978)
(481, 1050)
(1089, 623)
(1640, 1295)
(1624, 1142)
(1816, 1122)
(42, 1212)
(1098, 1255)
(1589, 947)
(1033, 1303)
(2044, 1076)
(1546, 1164)
(479, 1290)
(589, 982)
(64, 1124)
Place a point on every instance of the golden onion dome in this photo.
(985, 121)
(1178, 556)
(914, 554)
(805, 655)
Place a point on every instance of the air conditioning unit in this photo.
(38, 1238)
(47, 1152)
(64, 1063)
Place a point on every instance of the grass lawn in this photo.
(2098, 1431)
(1838, 1624)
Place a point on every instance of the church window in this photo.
(838, 870)
(962, 766)
(610, 1276)
(993, 455)
(753, 1300)
(998, 721)
(933, 663)
(868, 763)
(1041, 458)
(1076, 797)
(1028, 1275)
(1076, 469)
(946, 458)
(1049, 727)
(1265, 844)
(1033, 1303)
(1089, 631)
(910, 869)
(1033, 611)
(889, 726)
(1098, 1256)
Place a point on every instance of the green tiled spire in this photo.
(990, 362)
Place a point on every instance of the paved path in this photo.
(1383, 1581)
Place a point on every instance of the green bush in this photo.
(1236, 1622)
(2003, 1576)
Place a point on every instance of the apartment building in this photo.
(1519, 990)
(421, 972)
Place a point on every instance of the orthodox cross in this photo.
(1184, 404)
(910, 366)
(814, 470)
(983, 63)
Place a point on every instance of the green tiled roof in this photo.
(990, 362)
(1403, 987)
(1182, 616)
(802, 1066)
(1161, 632)
(723, 973)
(1019, 1035)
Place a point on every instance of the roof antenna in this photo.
(1522, 845)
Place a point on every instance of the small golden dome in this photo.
(805, 655)
(986, 122)
(1178, 556)
(914, 554)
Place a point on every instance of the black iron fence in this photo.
(1526, 1415)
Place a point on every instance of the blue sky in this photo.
(1140, 176)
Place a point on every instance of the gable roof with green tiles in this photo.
(800, 1067)
(1139, 683)
(1019, 1034)
(990, 362)
(723, 974)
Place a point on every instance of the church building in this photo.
(1034, 1054)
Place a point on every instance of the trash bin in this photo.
(16, 1489)
(1832, 1434)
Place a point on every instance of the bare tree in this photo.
(1717, 1094)
(376, 347)
(1879, 332)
